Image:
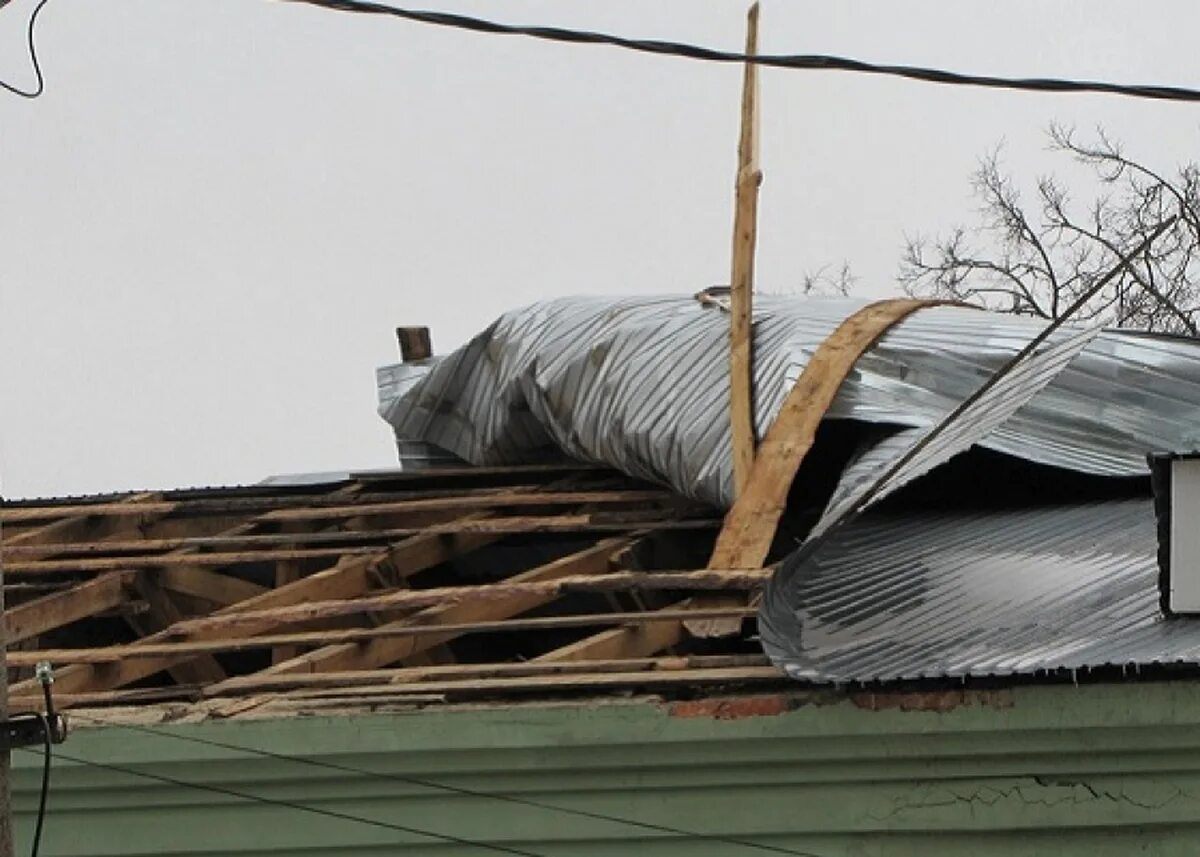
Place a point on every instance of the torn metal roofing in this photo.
(936, 593)
(641, 384)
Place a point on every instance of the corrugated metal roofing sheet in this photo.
(969, 593)
(641, 384)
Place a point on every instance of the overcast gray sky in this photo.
(214, 219)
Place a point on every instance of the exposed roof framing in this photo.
(413, 585)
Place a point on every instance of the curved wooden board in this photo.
(750, 525)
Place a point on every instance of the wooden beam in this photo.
(547, 582)
(741, 293)
(207, 585)
(435, 690)
(750, 525)
(388, 650)
(258, 683)
(411, 637)
(604, 522)
(286, 572)
(629, 641)
(453, 501)
(44, 614)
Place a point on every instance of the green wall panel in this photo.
(1092, 770)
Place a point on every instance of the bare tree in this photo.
(1037, 260)
(827, 284)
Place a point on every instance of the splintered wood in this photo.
(464, 583)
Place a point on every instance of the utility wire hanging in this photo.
(40, 85)
(445, 788)
(808, 62)
(328, 813)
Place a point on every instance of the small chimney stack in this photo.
(415, 344)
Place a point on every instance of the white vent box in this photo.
(1177, 503)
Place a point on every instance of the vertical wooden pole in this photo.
(745, 225)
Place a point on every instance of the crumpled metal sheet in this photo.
(641, 384)
(911, 453)
(947, 593)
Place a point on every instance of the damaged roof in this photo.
(951, 586)
(384, 589)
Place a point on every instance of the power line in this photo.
(803, 62)
(40, 87)
(807, 62)
(443, 787)
(328, 813)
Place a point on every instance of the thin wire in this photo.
(33, 56)
(459, 790)
(46, 757)
(809, 62)
(328, 813)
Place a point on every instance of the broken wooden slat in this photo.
(585, 523)
(741, 283)
(452, 501)
(526, 585)
(345, 659)
(258, 683)
(745, 539)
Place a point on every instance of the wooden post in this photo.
(745, 222)
(415, 343)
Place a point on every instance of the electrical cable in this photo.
(809, 62)
(45, 794)
(443, 787)
(47, 756)
(328, 813)
(33, 56)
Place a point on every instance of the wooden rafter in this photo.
(323, 585)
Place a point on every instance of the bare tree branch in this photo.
(1038, 261)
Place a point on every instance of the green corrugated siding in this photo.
(1098, 770)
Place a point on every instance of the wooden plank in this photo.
(191, 560)
(258, 683)
(207, 585)
(405, 636)
(547, 583)
(580, 523)
(595, 681)
(44, 539)
(430, 690)
(452, 619)
(44, 614)
(453, 501)
(741, 293)
(270, 499)
(750, 525)
(286, 572)
(630, 641)
(749, 529)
